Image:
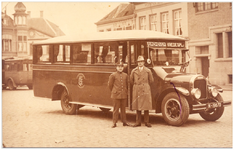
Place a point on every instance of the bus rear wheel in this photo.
(67, 107)
(10, 85)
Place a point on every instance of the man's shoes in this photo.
(136, 125)
(148, 125)
(113, 126)
(126, 124)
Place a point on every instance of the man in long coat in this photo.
(141, 77)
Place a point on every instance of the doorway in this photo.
(205, 66)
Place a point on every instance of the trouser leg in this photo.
(123, 110)
(138, 117)
(146, 116)
(116, 110)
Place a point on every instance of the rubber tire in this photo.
(29, 87)
(67, 107)
(10, 85)
(174, 99)
(105, 110)
(213, 114)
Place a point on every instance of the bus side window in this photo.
(104, 53)
(43, 54)
(82, 53)
(86, 53)
(67, 53)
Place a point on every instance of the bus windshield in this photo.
(166, 57)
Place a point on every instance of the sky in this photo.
(71, 16)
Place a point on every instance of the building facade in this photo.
(210, 44)
(206, 25)
(19, 33)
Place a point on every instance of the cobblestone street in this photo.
(28, 121)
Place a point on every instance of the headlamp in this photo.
(196, 93)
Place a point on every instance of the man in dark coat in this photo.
(117, 83)
(141, 77)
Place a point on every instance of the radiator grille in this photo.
(201, 84)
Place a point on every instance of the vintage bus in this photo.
(75, 70)
(16, 71)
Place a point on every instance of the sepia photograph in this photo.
(117, 74)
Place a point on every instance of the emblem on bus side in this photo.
(80, 78)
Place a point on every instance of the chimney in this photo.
(41, 14)
(29, 14)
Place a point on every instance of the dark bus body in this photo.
(16, 71)
(75, 69)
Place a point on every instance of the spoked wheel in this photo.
(10, 85)
(175, 109)
(214, 113)
(67, 107)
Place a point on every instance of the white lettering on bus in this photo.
(175, 45)
(157, 44)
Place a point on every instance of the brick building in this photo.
(210, 44)
(206, 25)
(19, 33)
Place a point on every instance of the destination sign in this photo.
(166, 44)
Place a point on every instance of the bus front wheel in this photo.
(67, 107)
(175, 109)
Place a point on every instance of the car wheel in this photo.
(215, 113)
(10, 85)
(175, 109)
(67, 107)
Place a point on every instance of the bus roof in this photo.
(110, 36)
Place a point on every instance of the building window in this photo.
(203, 6)
(177, 22)
(153, 22)
(230, 78)
(142, 21)
(229, 44)
(22, 43)
(202, 50)
(108, 29)
(165, 22)
(6, 45)
(220, 45)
